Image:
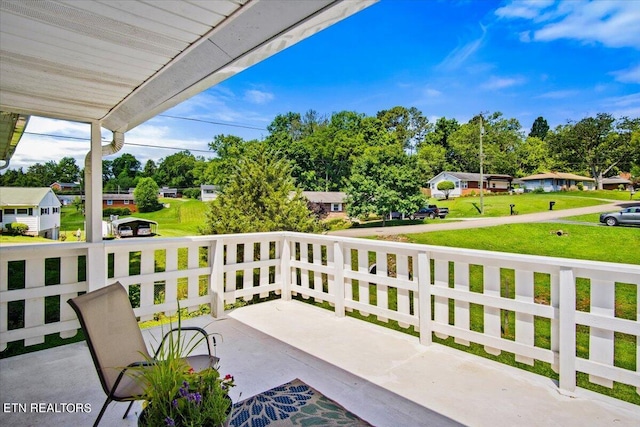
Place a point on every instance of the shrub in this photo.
(538, 190)
(191, 193)
(17, 228)
(580, 186)
(116, 211)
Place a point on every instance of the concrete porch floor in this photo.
(383, 376)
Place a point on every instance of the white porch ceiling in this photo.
(121, 62)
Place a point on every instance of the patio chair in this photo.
(116, 343)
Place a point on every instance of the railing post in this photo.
(216, 285)
(424, 298)
(338, 278)
(285, 269)
(96, 266)
(567, 331)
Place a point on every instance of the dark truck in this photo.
(430, 212)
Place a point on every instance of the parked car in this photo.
(125, 231)
(144, 230)
(394, 215)
(629, 215)
(431, 212)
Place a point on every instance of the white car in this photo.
(125, 231)
(144, 230)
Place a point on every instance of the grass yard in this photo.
(183, 217)
(611, 244)
(499, 205)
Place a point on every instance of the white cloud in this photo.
(460, 54)
(558, 94)
(496, 83)
(258, 97)
(612, 23)
(528, 9)
(432, 92)
(629, 75)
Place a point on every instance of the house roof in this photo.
(122, 63)
(557, 175)
(325, 196)
(23, 196)
(469, 176)
(615, 180)
(131, 219)
(107, 196)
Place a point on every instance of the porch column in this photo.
(93, 188)
(96, 255)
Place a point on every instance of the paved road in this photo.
(439, 225)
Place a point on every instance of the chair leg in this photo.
(104, 408)
(128, 409)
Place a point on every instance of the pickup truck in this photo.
(430, 212)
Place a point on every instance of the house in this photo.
(169, 192)
(557, 181)
(65, 186)
(332, 202)
(466, 183)
(614, 183)
(39, 208)
(209, 192)
(117, 201)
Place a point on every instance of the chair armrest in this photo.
(197, 329)
(124, 371)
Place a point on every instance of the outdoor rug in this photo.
(292, 404)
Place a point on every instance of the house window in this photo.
(56, 210)
(9, 211)
(493, 185)
(22, 211)
(336, 207)
(433, 185)
(126, 202)
(44, 211)
(465, 184)
(109, 202)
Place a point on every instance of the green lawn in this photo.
(494, 206)
(183, 217)
(614, 244)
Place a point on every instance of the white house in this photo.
(39, 208)
(209, 192)
(466, 183)
(557, 181)
(333, 202)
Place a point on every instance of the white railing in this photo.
(524, 305)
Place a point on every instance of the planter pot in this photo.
(142, 419)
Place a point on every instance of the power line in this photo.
(244, 126)
(126, 143)
(168, 148)
(57, 136)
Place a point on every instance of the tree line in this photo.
(322, 150)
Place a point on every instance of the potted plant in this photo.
(176, 395)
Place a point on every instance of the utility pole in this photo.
(481, 169)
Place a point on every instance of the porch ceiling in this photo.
(123, 62)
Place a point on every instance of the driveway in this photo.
(460, 223)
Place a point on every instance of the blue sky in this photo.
(563, 60)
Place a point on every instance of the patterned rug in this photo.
(292, 404)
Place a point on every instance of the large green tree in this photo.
(408, 126)
(540, 128)
(176, 170)
(597, 144)
(260, 196)
(146, 195)
(501, 141)
(384, 179)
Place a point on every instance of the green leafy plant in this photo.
(177, 395)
